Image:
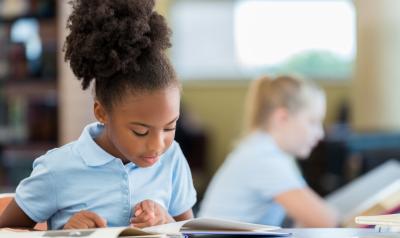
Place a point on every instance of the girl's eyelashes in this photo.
(147, 132)
(170, 129)
(140, 133)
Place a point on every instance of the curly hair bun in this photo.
(111, 37)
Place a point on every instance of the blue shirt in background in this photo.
(244, 187)
(82, 176)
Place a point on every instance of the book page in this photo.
(170, 228)
(112, 232)
(393, 219)
(207, 224)
(198, 225)
(109, 232)
(19, 233)
(358, 195)
(214, 224)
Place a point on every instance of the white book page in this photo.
(15, 233)
(207, 224)
(361, 193)
(225, 225)
(393, 219)
(110, 232)
(170, 228)
(193, 225)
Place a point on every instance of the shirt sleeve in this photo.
(36, 195)
(276, 175)
(183, 192)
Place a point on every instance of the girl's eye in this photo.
(140, 133)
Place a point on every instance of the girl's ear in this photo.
(280, 115)
(100, 112)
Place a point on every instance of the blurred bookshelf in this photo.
(28, 86)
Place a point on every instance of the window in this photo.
(238, 39)
(27, 31)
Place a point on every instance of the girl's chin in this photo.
(302, 155)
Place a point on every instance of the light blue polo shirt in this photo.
(82, 176)
(244, 187)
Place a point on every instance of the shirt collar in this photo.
(91, 153)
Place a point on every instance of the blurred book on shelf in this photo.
(17, 160)
(42, 121)
(19, 66)
(33, 120)
(11, 9)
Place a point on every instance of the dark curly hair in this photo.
(120, 44)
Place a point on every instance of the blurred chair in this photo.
(338, 160)
(193, 139)
(5, 199)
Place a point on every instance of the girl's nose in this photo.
(156, 142)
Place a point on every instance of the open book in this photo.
(176, 229)
(392, 220)
(375, 193)
(382, 223)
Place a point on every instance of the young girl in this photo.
(125, 169)
(259, 182)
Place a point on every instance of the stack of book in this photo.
(382, 223)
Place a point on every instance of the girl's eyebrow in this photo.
(176, 118)
(148, 126)
(139, 124)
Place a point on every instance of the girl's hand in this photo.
(150, 213)
(85, 220)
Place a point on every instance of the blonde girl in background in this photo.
(259, 182)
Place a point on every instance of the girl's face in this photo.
(303, 129)
(142, 126)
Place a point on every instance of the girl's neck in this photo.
(276, 137)
(103, 141)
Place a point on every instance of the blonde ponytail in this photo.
(266, 94)
(254, 107)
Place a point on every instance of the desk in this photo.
(338, 233)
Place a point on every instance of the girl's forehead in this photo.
(312, 104)
(316, 107)
(159, 103)
(165, 94)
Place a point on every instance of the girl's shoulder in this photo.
(173, 150)
(57, 157)
(173, 154)
(258, 143)
(260, 150)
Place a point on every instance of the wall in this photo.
(377, 71)
(75, 107)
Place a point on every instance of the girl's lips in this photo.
(150, 159)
